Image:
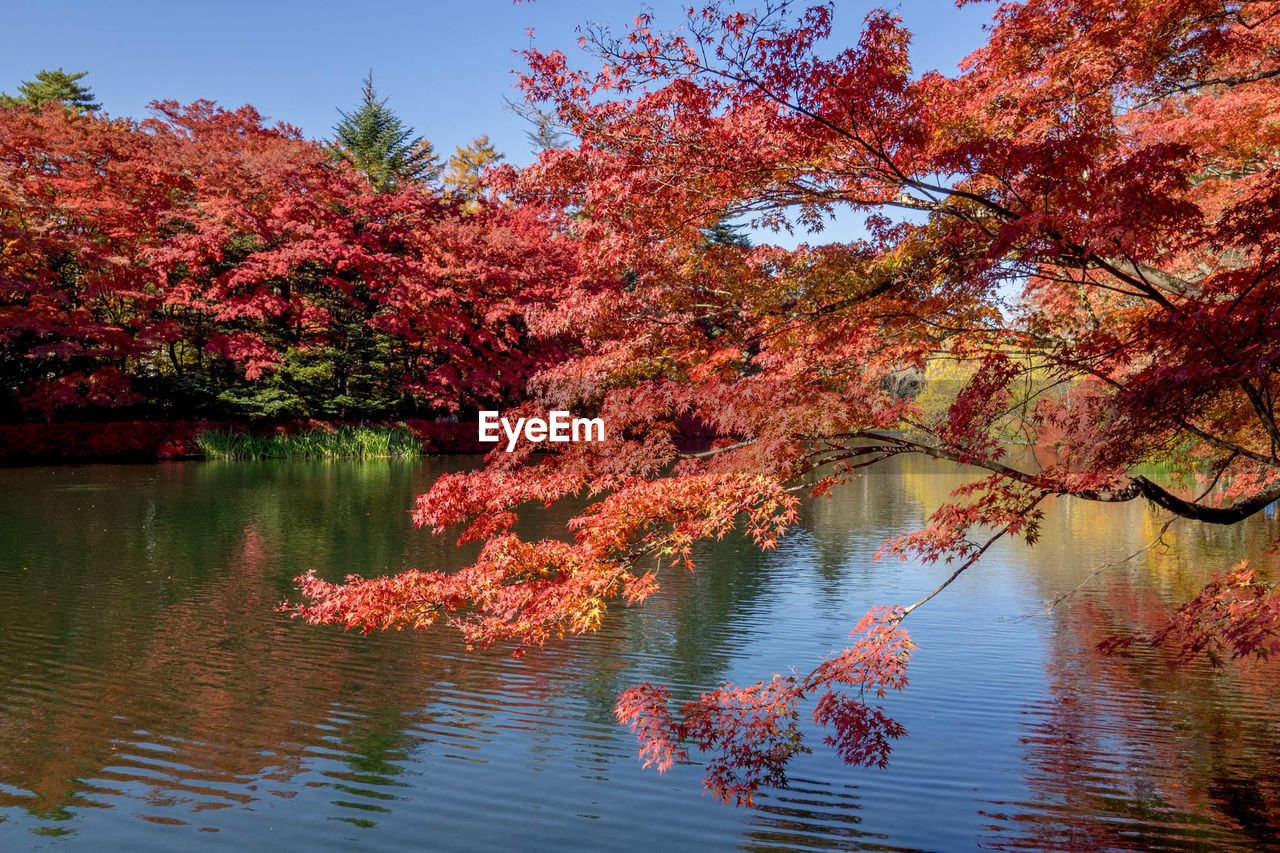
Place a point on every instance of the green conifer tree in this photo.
(53, 86)
(726, 233)
(378, 143)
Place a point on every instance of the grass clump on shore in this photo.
(344, 442)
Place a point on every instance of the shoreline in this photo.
(77, 442)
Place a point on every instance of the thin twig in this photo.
(973, 558)
(1100, 569)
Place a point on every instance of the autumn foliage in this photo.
(1090, 203)
(1085, 217)
(1235, 615)
(201, 261)
(753, 731)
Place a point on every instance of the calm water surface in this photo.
(152, 699)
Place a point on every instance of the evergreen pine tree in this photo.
(53, 86)
(725, 233)
(378, 143)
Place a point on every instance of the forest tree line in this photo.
(204, 263)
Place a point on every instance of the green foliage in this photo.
(53, 86)
(362, 442)
(259, 402)
(378, 143)
(355, 378)
(726, 233)
(351, 379)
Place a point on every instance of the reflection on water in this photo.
(150, 695)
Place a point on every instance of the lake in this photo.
(152, 698)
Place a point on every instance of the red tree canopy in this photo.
(1084, 222)
(203, 245)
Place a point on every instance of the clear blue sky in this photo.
(445, 66)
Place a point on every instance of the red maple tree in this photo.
(204, 244)
(1087, 216)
